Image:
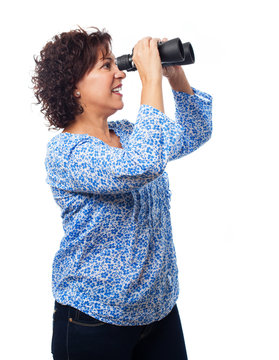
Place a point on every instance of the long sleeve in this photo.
(86, 164)
(194, 114)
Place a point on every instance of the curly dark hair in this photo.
(63, 62)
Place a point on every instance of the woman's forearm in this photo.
(152, 94)
(179, 82)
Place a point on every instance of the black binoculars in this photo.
(172, 52)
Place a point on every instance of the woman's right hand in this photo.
(147, 60)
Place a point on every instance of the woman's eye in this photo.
(107, 64)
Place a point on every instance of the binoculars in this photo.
(172, 52)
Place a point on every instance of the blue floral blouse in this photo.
(116, 261)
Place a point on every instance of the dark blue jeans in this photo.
(78, 336)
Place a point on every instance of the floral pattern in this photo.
(116, 261)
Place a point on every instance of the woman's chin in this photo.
(121, 106)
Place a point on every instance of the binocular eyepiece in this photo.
(172, 52)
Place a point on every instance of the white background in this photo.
(224, 196)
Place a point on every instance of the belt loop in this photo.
(73, 313)
(76, 314)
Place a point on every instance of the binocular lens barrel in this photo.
(172, 52)
(189, 57)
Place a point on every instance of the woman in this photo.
(115, 276)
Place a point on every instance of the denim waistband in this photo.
(64, 311)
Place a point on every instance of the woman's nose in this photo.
(119, 73)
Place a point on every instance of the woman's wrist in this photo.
(152, 94)
(179, 82)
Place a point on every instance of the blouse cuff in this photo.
(198, 96)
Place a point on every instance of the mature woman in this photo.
(115, 276)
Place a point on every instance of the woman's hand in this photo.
(147, 60)
(171, 71)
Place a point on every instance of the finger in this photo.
(144, 40)
(154, 42)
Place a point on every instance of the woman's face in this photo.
(96, 87)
